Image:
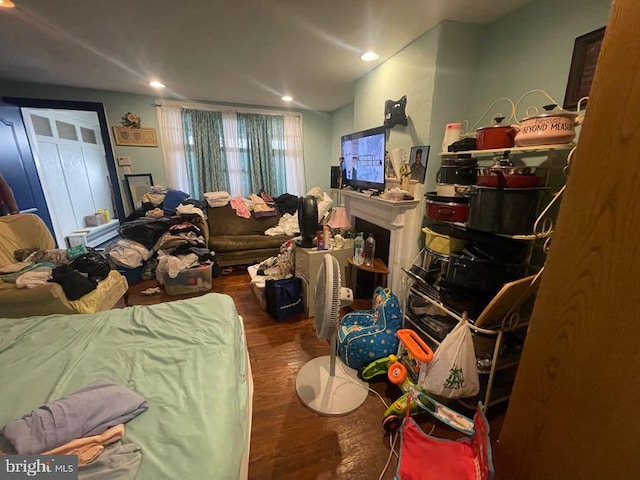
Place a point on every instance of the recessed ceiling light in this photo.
(156, 84)
(369, 56)
(6, 4)
(287, 98)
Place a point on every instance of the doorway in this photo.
(74, 167)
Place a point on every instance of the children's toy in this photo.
(403, 370)
(366, 335)
(423, 457)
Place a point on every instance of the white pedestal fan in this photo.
(321, 386)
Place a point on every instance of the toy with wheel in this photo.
(402, 370)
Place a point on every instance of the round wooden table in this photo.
(378, 268)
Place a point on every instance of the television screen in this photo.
(363, 159)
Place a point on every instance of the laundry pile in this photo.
(162, 236)
(159, 202)
(77, 277)
(88, 423)
(288, 223)
(180, 248)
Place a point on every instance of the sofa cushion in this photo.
(224, 221)
(234, 243)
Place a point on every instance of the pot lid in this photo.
(497, 123)
(552, 110)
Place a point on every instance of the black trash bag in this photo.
(74, 284)
(93, 264)
(145, 230)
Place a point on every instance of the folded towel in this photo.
(86, 412)
(217, 199)
(87, 449)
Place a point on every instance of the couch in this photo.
(29, 231)
(241, 241)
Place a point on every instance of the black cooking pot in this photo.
(460, 300)
(508, 211)
(459, 161)
(460, 175)
(483, 274)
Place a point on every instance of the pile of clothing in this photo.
(180, 248)
(77, 276)
(88, 423)
(160, 202)
(288, 223)
(161, 245)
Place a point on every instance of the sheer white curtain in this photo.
(175, 166)
(294, 155)
(232, 150)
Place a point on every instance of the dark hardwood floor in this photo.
(288, 441)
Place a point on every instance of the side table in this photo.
(378, 269)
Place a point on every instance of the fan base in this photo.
(327, 395)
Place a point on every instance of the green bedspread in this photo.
(186, 358)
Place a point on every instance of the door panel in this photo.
(56, 188)
(17, 164)
(96, 165)
(77, 182)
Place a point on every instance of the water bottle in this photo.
(369, 250)
(358, 249)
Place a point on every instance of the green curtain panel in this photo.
(262, 153)
(204, 151)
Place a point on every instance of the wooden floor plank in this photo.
(288, 441)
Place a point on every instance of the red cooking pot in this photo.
(495, 136)
(508, 178)
(447, 209)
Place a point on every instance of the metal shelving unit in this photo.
(513, 319)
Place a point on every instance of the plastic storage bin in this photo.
(192, 280)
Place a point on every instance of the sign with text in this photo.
(50, 467)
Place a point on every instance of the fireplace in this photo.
(365, 285)
(402, 221)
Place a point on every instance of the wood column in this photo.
(574, 413)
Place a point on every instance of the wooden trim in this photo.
(573, 412)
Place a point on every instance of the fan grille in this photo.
(327, 299)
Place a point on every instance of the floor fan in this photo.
(317, 384)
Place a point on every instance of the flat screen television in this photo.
(363, 159)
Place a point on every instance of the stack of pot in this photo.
(506, 198)
(450, 201)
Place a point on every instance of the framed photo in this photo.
(418, 162)
(137, 185)
(583, 66)
(135, 137)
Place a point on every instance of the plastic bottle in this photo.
(326, 236)
(320, 240)
(369, 250)
(358, 249)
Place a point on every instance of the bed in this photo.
(188, 358)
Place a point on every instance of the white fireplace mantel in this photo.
(400, 218)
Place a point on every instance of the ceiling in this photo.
(249, 51)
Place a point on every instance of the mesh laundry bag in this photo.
(423, 457)
(366, 335)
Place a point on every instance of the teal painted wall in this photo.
(143, 159)
(316, 128)
(317, 149)
(410, 72)
(532, 48)
(341, 124)
(454, 82)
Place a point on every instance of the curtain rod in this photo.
(218, 108)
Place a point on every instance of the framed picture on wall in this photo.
(135, 137)
(137, 185)
(418, 162)
(586, 49)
